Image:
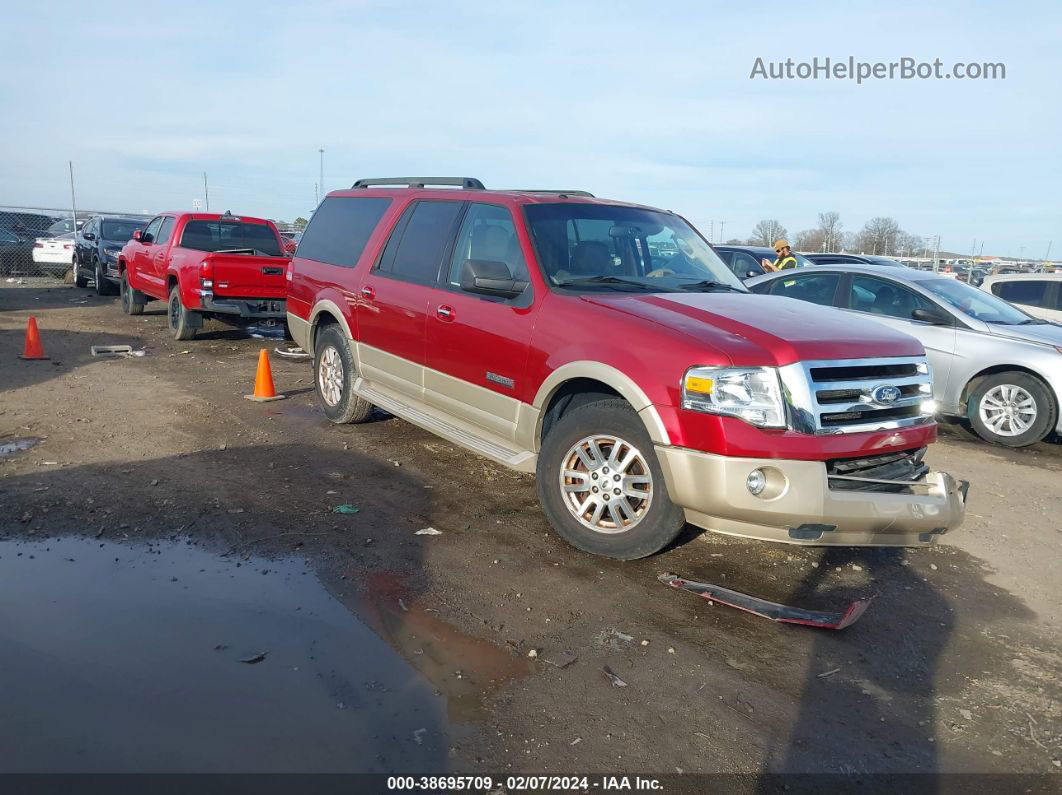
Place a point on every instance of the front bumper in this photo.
(799, 507)
(251, 308)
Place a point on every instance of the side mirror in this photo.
(89, 236)
(933, 317)
(137, 234)
(490, 277)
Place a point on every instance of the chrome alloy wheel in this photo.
(330, 376)
(606, 483)
(1008, 410)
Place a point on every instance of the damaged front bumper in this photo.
(802, 502)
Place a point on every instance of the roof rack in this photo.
(586, 193)
(468, 183)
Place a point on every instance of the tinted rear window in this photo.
(120, 230)
(339, 230)
(1030, 293)
(227, 235)
(418, 253)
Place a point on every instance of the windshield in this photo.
(977, 303)
(119, 230)
(61, 226)
(226, 235)
(603, 247)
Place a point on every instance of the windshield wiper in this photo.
(707, 285)
(615, 282)
(1033, 321)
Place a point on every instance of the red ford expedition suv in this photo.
(605, 347)
(205, 265)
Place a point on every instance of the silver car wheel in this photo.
(1008, 410)
(606, 483)
(330, 376)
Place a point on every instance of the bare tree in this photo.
(809, 240)
(766, 232)
(830, 228)
(879, 236)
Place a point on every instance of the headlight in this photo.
(752, 394)
(112, 252)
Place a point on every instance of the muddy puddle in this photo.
(170, 658)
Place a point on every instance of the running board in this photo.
(521, 460)
(785, 614)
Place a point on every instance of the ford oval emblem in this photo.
(886, 394)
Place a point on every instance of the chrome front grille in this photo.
(856, 395)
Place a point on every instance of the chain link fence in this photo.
(40, 241)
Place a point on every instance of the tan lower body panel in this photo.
(300, 331)
(799, 507)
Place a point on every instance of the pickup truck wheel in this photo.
(333, 367)
(182, 321)
(103, 287)
(79, 280)
(132, 302)
(601, 485)
(1012, 409)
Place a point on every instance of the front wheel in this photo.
(601, 485)
(1012, 409)
(182, 322)
(333, 367)
(103, 287)
(132, 303)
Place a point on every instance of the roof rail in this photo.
(468, 183)
(585, 193)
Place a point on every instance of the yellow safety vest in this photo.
(785, 262)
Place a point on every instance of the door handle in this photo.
(368, 292)
(445, 312)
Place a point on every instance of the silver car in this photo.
(993, 364)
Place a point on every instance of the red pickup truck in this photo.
(605, 347)
(205, 265)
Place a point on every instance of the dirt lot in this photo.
(954, 668)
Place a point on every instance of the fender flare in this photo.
(327, 305)
(626, 386)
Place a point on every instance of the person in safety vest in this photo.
(785, 257)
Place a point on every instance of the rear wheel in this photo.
(1012, 409)
(333, 367)
(601, 485)
(183, 322)
(132, 300)
(103, 287)
(79, 280)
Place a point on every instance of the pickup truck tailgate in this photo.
(248, 275)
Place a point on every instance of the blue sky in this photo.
(644, 102)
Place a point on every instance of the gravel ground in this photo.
(954, 668)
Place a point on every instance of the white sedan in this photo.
(54, 253)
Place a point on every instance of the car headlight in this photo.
(752, 394)
(112, 252)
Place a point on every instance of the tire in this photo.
(103, 287)
(1013, 409)
(652, 522)
(183, 322)
(79, 280)
(132, 302)
(333, 378)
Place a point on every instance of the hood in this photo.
(763, 329)
(1049, 333)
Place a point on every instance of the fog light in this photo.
(756, 482)
(929, 407)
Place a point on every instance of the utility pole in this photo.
(722, 239)
(206, 192)
(316, 196)
(936, 252)
(321, 175)
(73, 201)
(711, 231)
(1047, 256)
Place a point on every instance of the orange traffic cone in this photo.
(33, 349)
(263, 381)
